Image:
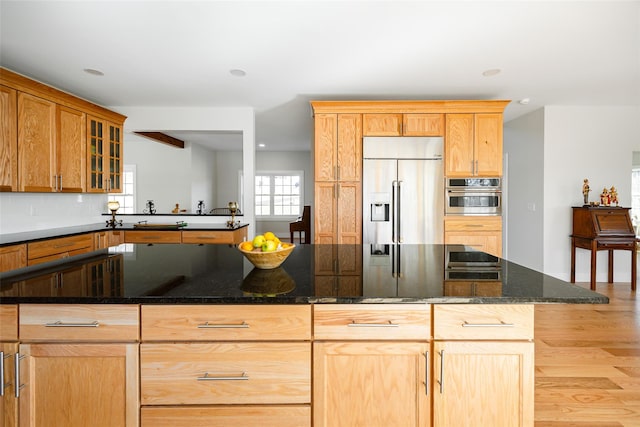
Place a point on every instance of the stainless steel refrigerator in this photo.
(403, 204)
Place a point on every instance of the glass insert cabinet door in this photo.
(105, 156)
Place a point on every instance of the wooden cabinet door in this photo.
(349, 213)
(8, 401)
(373, 384)
(325, 215)
(483, 384)
(36, 143)
(349, 147)
(79, 385)
(13, 257)
(115, 165)
(382, 124)
(488, 144)
(325, 141)
(225, 416)
(96, 155)
(423, 124)
(8, 139)
(458, 147)
(70, 150)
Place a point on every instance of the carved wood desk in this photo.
(602, 228)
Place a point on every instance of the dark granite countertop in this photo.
(211, 274)
(33, 236)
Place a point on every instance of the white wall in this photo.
(523, 197)
(585, 142)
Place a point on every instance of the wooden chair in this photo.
(302, 224)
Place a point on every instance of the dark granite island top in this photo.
(212, 274)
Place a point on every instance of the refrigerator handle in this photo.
(398, 220)
(394, 216)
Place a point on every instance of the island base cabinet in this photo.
(64, 385)
(483, 384)
(225, 416)
(371, 384)
(8, 401)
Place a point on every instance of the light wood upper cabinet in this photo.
(36, 143)
(8, 139)
(70, 150)
(409, 124)
(473, 145)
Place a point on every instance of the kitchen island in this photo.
(193, 335)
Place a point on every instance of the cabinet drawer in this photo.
(79, 322)
(473, 223)
(225, 323)
(224, 416)
(8, 322)
(371, 322)
(153, 237)
(225, 373)
(52, 249)
(229, 237)
(483, 322)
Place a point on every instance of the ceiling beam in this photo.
(163, 138)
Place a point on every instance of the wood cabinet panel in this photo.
(70, 150)
(349, 147)
(8, 401)
(13, 257)
(375, 384)
(325, 227)
(483, 322)
(51, 249)
(423, 124)
(488, 144)
(487, 383)
(325, 146)
(152, 236)
(8, 322)
(458, 148)
(349, 213)
(79, 322)
(228, 322)
(224, 416)
(473, 145)
(371, 322)
(219, 236)
(8, 139)
(462, 288)
(225, 373)
(381, 124)
(79, 385)
(36, 143)
(480, 232)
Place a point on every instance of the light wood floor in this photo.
(588, 361)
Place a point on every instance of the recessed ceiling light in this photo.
(261, 145)
(491, 72)
(524, 101)
(93, 72)
(238, 72)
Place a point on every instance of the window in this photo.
(279, 193)
(127, 198)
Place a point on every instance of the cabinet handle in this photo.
(60, 179)
(476, 173)
(389, 324)
(61, 324)
(55, 183)
(441, 382)
(18, 386)
(2, 384)
(207, 325)
(426, 373)
(241, 377)
(487, 325)
(338, 174)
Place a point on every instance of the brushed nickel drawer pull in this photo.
(61, 324)
(389, 324)
(241, 377)
(16, 371)
(2, 384)
(207, 325)
(487, 325)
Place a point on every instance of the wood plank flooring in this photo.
(588, 361)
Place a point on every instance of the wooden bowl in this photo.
(267, 260)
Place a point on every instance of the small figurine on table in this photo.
(585, 191)
(613, 196)
(605, 197)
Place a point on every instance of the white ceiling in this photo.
(180, 53)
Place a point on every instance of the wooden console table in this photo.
(602, 228)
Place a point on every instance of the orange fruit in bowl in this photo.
(246, 246)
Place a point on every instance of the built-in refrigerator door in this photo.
(378, 216)
(420, 201)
